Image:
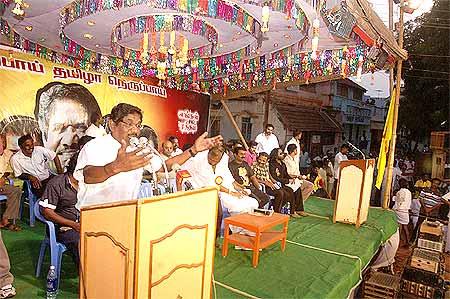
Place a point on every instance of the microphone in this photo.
(357, 149)
(147, 147)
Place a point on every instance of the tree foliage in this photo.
(424, 106)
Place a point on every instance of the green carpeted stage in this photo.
(322, 259)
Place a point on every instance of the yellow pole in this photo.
(387, 194)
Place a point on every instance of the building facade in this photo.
(356, 114)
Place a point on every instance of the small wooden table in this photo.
(261, 226)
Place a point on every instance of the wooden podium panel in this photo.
(159, 247)
(177, 252)
(107, 251)
(354, 191)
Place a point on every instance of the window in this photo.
(246, 128)
(215, 127)
(357, 94)
(342, 90)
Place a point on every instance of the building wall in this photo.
(253, 109)
(356, 115)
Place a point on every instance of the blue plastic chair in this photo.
(56, 249)
(32, 199)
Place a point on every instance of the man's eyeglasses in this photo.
(130, 125)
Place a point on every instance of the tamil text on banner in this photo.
(55, 103)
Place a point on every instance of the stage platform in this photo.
(322, 259)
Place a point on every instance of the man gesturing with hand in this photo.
(109, 170)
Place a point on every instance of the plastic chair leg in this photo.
(41, 258)
(58, 267)
(32, 216)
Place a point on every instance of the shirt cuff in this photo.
(44, 203)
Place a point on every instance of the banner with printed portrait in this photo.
(56, 103)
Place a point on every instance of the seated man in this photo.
(294, 172)
(12, 193)
(278, 171)
(245, 178)
(58, 205)
(31, 163)
(210, 168)
(261, 170)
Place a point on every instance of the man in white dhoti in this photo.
(210, 168)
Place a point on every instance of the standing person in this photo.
(330, 175)
(244, 176)
(304, 159)
(108, 170)
(96, 129)
(396, 175)
(250, 155)
(401, 207)
(31, 163)
(266, 140)
(340, 156)
(6, 278)
(176, 146)
(278, 171)
(12, 193)
(296, 136)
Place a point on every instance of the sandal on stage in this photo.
(12, 227)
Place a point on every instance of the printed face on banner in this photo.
(57, 104)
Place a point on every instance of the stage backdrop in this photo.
(55, 103)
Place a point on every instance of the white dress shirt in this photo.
(122, 186)
(37, 165)
(293, 140)
(95, 131)
(337, 161)
(266, 143)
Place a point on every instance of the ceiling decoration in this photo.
(213, 46)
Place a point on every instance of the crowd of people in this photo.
(107, 167)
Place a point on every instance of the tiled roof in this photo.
(306, 118)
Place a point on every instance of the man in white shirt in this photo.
(32, 163)
(108, 170)
(211, 168)
(12, 193)
(297, 135)
(340, 156)
(176, 146)
(293, 170)
(166, 153)
(267, 141)
(96, 129)
(402, 205)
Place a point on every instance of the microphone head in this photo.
(134, 141)
(143, 141)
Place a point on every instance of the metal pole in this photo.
(233, 122)
(387, 195)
